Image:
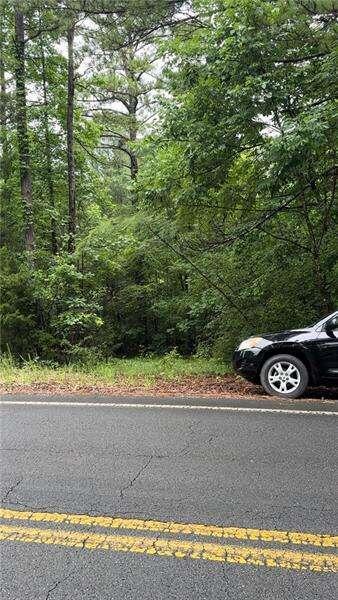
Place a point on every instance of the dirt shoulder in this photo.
(226, 386)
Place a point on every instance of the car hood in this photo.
(290, 334)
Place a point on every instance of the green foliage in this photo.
(132, 371)
(215, 220)
(245, 162)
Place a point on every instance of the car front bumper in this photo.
(247, 363)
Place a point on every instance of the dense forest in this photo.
(168, 174)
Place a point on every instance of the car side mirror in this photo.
(331, 327)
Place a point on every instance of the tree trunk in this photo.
(70, 143)
(133, 101)
(22, 133)
(5, 167)
(133, 165)
(49, 174)
(4, 157)
(131, 105)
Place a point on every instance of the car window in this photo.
(319, 325)
(334, 323)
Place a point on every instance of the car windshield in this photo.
(322, 321)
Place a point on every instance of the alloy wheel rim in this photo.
(284, 377)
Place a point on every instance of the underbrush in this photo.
(144, 371)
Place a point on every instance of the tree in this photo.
(181, 158)
(22, 133)
(122, 86)
(48, 149)
(5, 159)
(250, 131)
(70, 140)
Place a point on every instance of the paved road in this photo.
(264, 478)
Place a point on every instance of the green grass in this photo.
(142, 371)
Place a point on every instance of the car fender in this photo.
(299, 350)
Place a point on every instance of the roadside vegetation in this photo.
(168, 181)
(144, 372)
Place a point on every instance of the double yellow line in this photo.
(167, 546)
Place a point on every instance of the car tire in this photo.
(285, 376)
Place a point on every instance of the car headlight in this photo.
(253, 342)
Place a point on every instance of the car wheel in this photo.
(285, 376)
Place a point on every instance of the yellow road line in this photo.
(238, 533)
(284, 559)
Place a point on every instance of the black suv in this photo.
(287, 362)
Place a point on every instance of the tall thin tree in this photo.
(4, 161)
(48, 150)
(22, 130)
(70, 141)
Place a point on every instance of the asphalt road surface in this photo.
(117, 498)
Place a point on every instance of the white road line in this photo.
(169, 406)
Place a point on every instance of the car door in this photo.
(327, 349)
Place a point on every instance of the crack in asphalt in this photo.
(56, 584)
(10, 490)
(132, 481)
(226, 581)
(213, 437)
(193, 433)
(32, 508)
(51, 590)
